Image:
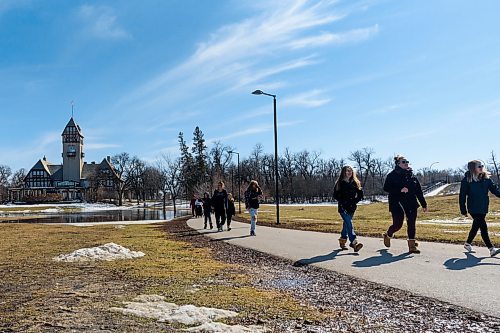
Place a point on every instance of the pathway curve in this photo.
(442, 271)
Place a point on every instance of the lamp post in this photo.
(430, 170)
(239, 180)
(260, 92)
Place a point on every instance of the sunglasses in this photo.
(405, 162)
(480, 166)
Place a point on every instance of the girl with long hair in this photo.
(348, 193)
(474, 200)
(252, 203)
(231, 210)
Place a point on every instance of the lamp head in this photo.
(257, 92)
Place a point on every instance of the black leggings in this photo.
(220, 217)
(207, 217)
(398, 217)
(479, 223)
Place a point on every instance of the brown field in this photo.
(374, 219)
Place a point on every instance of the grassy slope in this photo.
(374, 219)
(169, 268)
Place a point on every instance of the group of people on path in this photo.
(406, 196)
(220, 203)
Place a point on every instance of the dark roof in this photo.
(71, 123)
(89, 169)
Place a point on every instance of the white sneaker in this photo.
(468, 247)
(494, 251)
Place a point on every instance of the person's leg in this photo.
(473, 229)
(253, 220)
(411, 221)
(481, 220)
(217, 219)
(222, 219)
(210, 220)
(205, 219)
(398, 217)
(229, 217)
(349, 230)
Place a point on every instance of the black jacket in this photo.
(395, 181)
(207, 205)
(219, 200)
(348, 195)
(231, 210)
(252, 198)
(475, 194)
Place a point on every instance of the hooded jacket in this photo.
(394, 183)
(348, 195)
(219, 201)
(474, 197)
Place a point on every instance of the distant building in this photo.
(74, 179)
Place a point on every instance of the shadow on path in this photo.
(384, 258)
(228, 238)
(457, 264)
(322, 258)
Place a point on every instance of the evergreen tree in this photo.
(200, 157)
(188, 178)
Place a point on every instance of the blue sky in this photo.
(419, 78)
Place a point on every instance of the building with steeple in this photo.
(74, 179)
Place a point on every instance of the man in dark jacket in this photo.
(405, 194)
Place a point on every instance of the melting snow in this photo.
(437, 190)
(155, 307)
(108, 252)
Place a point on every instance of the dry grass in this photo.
(374, 219)
(170, 268)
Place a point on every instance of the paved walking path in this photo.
(442, 271)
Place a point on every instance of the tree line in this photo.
(304, 176)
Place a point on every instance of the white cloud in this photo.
(243, 54)
(309, 99)
(101, 22)
(352, 36)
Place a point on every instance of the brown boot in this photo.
(412, 248)
(342, 242)
(356, 245)
(387, 240)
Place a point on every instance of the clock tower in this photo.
(72, 155)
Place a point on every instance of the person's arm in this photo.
(391, 184)
(494, 188)
(420, 195)
(359, 195)
(462, 197)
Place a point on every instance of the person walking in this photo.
(474, 200)
(404, 191)
(252, 203)
(348, 193)
(207, 210)
(192, 204)
(219, 204)
(231, 210)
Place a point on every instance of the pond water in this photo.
(94, 217)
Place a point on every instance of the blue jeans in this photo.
(347, 228)
(253, 218)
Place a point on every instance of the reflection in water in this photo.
(101, 216)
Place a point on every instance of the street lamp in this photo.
(260, 92)
(239, 180)
(430, 170)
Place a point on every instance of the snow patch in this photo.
(155, 307)
(437, 190)
(107, 252)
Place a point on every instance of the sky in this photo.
(418, 78)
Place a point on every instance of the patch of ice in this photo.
(51, 210)
(454, 231)
(155, 307)
(108, 252)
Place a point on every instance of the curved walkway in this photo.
(442, 271)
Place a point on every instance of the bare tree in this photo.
(17, 178)
(122, 163)
(171, 178)
(496, 165)
(5, 173)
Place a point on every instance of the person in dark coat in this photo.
(348, 193)
(231, 210)
(474, 200)
(219, 204)
(192, 204)
(207, 210)
(252, 203)
(405, 194)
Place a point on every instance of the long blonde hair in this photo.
(471, 174)
(353, 178)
